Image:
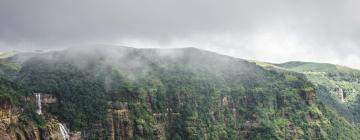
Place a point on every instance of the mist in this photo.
(274, 31)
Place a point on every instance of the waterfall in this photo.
(38, 103)
(64, 132)
(341, 92)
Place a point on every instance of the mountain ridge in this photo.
(106, 46)
(174, 94)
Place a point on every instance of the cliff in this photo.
(14, 125)
(128, 93)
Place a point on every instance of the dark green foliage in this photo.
(81, 96)
(188, 93)
(10, 91)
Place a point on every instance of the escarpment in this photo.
(127, 93)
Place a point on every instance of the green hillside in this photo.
(338, 86)
(185, 94)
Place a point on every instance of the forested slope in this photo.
(128, 93)
(337, 86)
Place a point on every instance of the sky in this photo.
(266, 30)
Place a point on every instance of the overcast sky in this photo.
(267, 30)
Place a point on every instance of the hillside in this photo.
(127, 93)
(338, 86)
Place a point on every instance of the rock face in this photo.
(75, 135)
(52, 131)
(308, 96)
(118, 121)
(8, 114)
(13, 127)
(117, 126)
(48, 99)
(45, 99)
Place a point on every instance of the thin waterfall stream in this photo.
(38, 103)
(64, 132)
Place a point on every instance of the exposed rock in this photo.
(48, 99)
(118, 121)
(308, 96)
(8, 113)
(4, 136)
(11, 129)
(75, 135)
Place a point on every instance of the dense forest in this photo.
(128, 93)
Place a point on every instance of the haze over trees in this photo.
(187, 93)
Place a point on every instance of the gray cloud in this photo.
(269, 30)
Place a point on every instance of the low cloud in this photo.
(275, 31)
